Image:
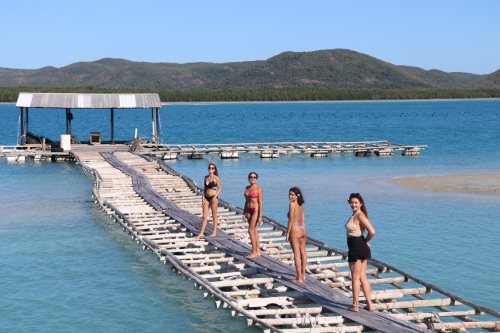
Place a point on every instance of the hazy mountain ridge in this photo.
(326, 69)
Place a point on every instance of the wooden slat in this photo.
(302, 320)
(287, 311)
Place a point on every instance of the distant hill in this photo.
(326, 69)
(490, 81)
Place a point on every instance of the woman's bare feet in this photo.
(354, 308)
(252, 255)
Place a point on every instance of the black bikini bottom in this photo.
(209, 198)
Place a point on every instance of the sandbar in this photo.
(464, 183)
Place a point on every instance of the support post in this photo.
(112, 126)
(27, 125)
(157, 125)
(21, 123)
(153, 127)
(69, 118)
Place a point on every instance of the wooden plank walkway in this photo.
(161, 210)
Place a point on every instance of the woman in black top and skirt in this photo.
(210, 199)
(359, 250)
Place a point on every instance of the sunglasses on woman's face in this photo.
(252, 177)
(211, 168)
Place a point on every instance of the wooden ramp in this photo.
(161, 209)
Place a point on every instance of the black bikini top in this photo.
(212, 185)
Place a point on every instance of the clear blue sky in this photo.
(450, 35)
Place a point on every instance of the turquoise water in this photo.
(67, 267)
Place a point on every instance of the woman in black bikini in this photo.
(253, 212)
(210, 199)
(297, 232)
(359, 250)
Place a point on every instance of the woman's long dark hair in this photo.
(360, 198)
(298, 193)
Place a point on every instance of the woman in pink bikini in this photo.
(253, 212)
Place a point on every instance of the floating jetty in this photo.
(161, 210)
(274, 149)
(232, 150)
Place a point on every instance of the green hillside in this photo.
(492, 80)
(326, 69)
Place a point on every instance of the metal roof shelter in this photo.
(70, 101)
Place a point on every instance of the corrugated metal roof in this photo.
(88, 101)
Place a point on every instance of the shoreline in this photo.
(327, 101)
(339, 101)
(487, 184)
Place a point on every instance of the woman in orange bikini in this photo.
(253, 212)
(210, 199)
(297, 232)
(359, 250)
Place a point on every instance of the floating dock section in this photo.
(274, 149)
(226, 151)
(161, 210)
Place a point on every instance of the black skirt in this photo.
(358, 250)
